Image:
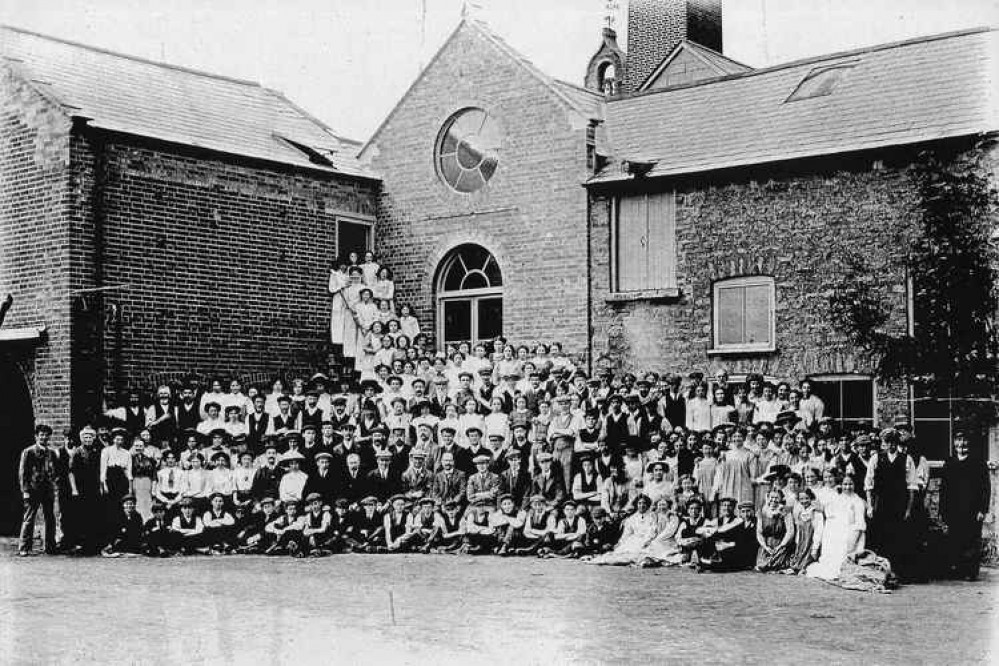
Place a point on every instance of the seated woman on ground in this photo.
(664, 550)
(775, 534)
(639, 529)
(808, 526)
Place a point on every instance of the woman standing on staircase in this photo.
(338, 283)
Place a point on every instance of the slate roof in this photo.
(151, 99)
(902, 93)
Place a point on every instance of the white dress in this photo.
(639, 530)
(338, 281)
(845, 519)
(352, 335)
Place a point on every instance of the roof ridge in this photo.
(578, 87)
(717, 54)
(126, 56)
(811, 59)
(544, 78)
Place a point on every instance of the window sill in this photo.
(744, 351)
(671, 294)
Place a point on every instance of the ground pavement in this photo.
(449, 609)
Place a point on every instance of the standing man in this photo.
(60, 486)
(965, 492)
(891, 489)
(36, 475)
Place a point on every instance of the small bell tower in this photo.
(605, 72)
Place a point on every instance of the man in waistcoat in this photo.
(891, 486)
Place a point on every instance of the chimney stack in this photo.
(655, 27)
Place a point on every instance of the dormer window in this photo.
(820, 82)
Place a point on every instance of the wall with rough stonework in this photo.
(788, 226)
(531, 215)
(35, 243)
(216, 266)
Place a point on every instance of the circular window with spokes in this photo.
(467, 151)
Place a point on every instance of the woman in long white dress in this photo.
(734, 473)
(664, 550)
(339, 310)
(352, 337)
(639, 529)
(844, 533)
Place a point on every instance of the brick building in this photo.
(156, 221)
(484, 157)
(715, 198)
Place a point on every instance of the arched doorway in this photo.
(469, 293)
(16, 425)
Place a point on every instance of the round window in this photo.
(467, 151)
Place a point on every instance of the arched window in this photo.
(469, 291)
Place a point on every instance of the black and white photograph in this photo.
(499, 332)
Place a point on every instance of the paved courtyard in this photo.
(446, 609)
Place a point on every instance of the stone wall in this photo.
(787, 225)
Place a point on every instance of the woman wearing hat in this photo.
(638, 531)
(293, 480)
(220, 478)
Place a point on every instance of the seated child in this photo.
(570, 532)
(287, 531)
(316, 527)
(127, 537)
(186, 529)
(450, 531)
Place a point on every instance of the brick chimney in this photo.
(655, 27)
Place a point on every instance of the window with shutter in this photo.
(744, 314)
(645, 243)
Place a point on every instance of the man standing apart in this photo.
(965, 491)
(36, 473)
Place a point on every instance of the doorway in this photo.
(17, 422)
(469, 296)
(353, 236)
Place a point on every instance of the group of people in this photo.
(496, 448)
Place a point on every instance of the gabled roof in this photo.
(151, 99)
(902, 93)
(574, 98)
(716, 62)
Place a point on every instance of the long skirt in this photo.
(143, 487)
(338, 315)
(804, 535)
(778, 560)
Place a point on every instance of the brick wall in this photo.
(223, 265)
(35, 240)
(655, 27)
(531, 215)
(764, 223)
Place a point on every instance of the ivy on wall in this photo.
(953, 263)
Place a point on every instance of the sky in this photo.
(349, 61)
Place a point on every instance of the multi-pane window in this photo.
(645, 243)
(933, 422)
(744, 314)
(848, 399)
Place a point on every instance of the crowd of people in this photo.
(499, 449)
